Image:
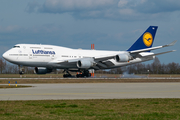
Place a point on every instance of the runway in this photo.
(100, 78)
(92, 91)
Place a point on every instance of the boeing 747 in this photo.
(46, 58)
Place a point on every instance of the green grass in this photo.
(13, 86)
(31, 76)
(84, 80)
(143, 109)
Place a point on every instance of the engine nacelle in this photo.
(85, 63)
(42, 70)
(122, 58)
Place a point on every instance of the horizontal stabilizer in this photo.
(159, 53)
(164, 52)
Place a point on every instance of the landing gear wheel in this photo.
(21, 72)
(67, 75)
(84, 74)
(21, 69)
(79, 75)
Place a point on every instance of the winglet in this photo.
(171, 44)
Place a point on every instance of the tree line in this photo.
(154, 68)
(140, 68)
(8, 68)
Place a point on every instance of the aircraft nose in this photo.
(5, 55)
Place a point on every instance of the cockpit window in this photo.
(16, 47)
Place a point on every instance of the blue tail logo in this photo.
(145, 40)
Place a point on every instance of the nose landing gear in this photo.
(21, 69)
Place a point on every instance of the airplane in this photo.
(46, 58)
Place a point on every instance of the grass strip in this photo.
(103, 109)
(13, 86)
(36, 81)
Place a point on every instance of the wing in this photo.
(152, 48)
(105, 61)
(97, 62)
(140, 53)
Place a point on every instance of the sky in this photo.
(109, 24)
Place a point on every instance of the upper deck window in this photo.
(35, 47)
(16, 47)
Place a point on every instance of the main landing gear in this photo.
(67, 74)
(84, 73)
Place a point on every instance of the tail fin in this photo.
(146, 40)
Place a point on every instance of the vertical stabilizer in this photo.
(145, 40)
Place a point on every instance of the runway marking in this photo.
(90, 93)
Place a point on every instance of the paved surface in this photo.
(92, 91)
(143, 78)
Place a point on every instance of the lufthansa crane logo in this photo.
(147, 39)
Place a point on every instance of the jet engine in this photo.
(42, 70)
(85, 63)
(122, 58)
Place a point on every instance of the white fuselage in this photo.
(49, 56)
